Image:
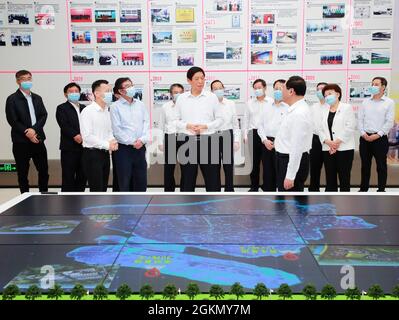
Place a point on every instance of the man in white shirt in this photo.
(197, 120)
(98, 140)
(229, 134)
(252, 115)
(270, 122)
(68, 118)
(130, 126)
(294, 138)
(316, 153)
(375, 119)
(169, 146)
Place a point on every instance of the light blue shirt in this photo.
(130, 122)
(31, 107)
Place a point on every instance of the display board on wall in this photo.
(155, 42)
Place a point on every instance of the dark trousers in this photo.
(269, 168)
(73, 177)
(377, 149)
(301, 176)
(171, 146)
(255, 150)
(226, 149)
(338, 164)
(316, 163)
(96, 165)
(23, 152)
(131, 168)
(202, 151)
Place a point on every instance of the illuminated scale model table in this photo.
(207, 239)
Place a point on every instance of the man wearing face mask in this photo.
(316, 153)
(229, 134)
(98, 140)
(68, 118)
(131, 126)
(27, 116)
(270, 122)
(375, 119)
(294, 138)
(169, 145)
(252, 115)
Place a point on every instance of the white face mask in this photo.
(175, 96)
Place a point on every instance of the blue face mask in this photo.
(74, 96)
(107, 97)
(278, 95)
(319, 94)
(26, 85)
(331, 99)
(374, 90)
(130, 92)
(259, 93)
(219, 93)
(175, 96)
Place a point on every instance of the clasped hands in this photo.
(334, 145)
(196, 128)
(31, 135)
(371, 138)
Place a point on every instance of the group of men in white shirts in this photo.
(201, 130)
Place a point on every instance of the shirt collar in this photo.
(203, 93)
(98, 107)
(74, 105)
(295, 105)
(26, 95)
(384, 97)
(124, 101)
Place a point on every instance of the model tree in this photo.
(261, 291)
(146, 292)
(78, 292)
(33, 293)
(123, 292)
(238, 290)
(395, 291)
(310, 292)
(100, 292)
(55, 293)
(353, 293)
(376, 292)
(216, 292)
(192, 290)
(328, 292)
(284, 291)
(11, 292)
(170, 292)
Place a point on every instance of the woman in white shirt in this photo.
(336, 134)
(229, 134)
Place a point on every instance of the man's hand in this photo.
(78, 139)
(161, 147)
(138, 144)
(268, 144)
(30, 133)
(288, 184)
(366, 137)
(374, 137)
(336, 144)
(236, 146)
(201, 128)
(113, 145)
(34, 139)
(192, 128)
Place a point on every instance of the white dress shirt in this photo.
(376, 116)
(253, 113)
(202, 109)
(95, 127)
(317, 110)
(230, 120)
(343, 128)
(168, 119)
(130, 121)
(295, 135)
(31, 107)
(271, 119)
